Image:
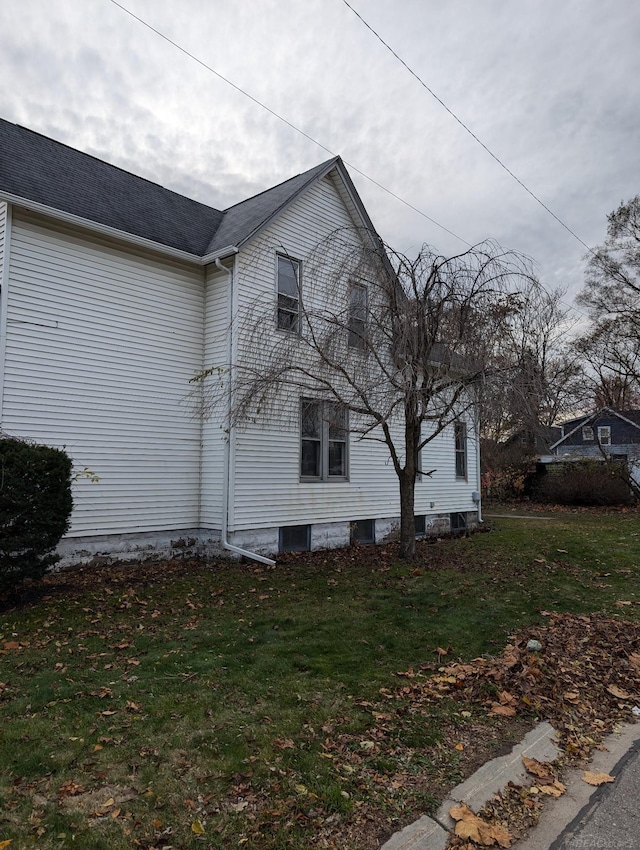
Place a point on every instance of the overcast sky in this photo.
(552, 88)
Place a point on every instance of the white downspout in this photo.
(478, 471)
(226, 482)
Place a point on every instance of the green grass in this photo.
(246, 703)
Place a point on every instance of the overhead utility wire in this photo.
(285, 121)
(462, 124)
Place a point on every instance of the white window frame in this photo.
(358, 310)
(604, 435)
(324, 439)
(461, 449)
(587, 434)
(287, 304)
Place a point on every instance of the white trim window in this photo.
(289, 280)
(587, 434)
(460, 440)
(324, 440)
(358, 298)
(604, 435)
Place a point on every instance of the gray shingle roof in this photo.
(241, 221)
(47, 172)
(40, 169)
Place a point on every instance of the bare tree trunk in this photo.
(407, 519)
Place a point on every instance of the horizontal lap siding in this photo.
(101, 344)
(213, 435)
(267, 488)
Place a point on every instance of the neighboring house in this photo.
(606, 432)
(115, 293)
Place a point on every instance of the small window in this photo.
(587, 434)
(324, 432)
(458, 522)
(363, 531)
(288, 294)
(460, 436)
(420, 525)
(357, 315)
(604, 435)
(295, 538)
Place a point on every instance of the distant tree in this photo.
(612, 297)
(534, 379)
(398, 343)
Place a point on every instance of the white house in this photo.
(115, 293)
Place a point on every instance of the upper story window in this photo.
(324, 431)
(357, 315)
(288, 293)
(587, 434)
(604, 435)
(460, 437)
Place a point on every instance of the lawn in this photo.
(215, 705)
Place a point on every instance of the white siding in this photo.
(101, 344)
(266, 485)
(216, 355)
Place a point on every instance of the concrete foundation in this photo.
(198, 542)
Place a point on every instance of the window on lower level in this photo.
(420, 522)
(324, 432)
(363, 531)
(460, 437)
(295, 538)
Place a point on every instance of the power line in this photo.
(468, 130)
(310, 138)
(285, 121)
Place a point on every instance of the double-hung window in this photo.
(460, 437)
(324, 431)
(604, 435)
(288, 272)
(357, 315)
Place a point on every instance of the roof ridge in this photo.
(282, 183)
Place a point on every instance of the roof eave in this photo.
(98, 227)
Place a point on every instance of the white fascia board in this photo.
(222, 254)
(103, 229)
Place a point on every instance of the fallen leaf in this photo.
(97, 748)
(459, 747)
(536, 768)
(114, 813)
(571, 696)
(284, 744)
(241, 806)
(617, 692)
(597, 778)
(634, 659)
(503, 710)
(621, 603)
(470, 826)
(5, 843)
(197, 828)
(555, 790)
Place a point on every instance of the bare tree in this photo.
(535, 377)
(612, 296)
(398, 343)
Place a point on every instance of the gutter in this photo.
(226, 478)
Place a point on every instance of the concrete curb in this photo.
(541, 744)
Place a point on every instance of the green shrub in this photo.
(585, 482)
(35, 507)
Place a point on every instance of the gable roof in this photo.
(40, 169)
(56, 177)
(631, 417)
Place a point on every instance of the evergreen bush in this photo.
(35, 508)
